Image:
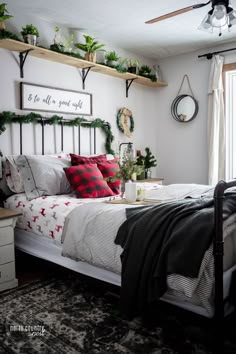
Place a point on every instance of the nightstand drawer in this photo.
(7, 254)
(7, 272)
(6, 235)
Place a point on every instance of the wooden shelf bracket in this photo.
(128, 84)
(23, 55)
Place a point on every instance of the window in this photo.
(230, 113)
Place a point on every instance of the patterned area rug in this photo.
(70, 314)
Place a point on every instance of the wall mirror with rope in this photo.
(185, 107)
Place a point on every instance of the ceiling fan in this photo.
(220, 16)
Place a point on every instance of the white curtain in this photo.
(216, 122)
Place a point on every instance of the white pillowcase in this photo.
(43, 175)
(12, 173)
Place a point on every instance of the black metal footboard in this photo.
(218, 243)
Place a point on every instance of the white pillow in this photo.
(43, 175)
(12, 173)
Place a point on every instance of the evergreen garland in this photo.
(7, 117)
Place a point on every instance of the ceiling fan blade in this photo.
(177, 12)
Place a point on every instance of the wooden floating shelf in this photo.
(50, 55)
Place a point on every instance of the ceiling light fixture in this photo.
(221, 17)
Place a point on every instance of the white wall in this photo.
(108, 97)
(182, 147)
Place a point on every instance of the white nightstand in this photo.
(7, 251)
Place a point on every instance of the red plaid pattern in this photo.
(87, 181)
(108, 169)
(77, 159)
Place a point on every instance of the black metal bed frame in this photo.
(218, 241)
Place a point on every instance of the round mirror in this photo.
(184, 108)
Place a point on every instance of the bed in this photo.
(52, 226)
(63, 215)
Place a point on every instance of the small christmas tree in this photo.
(149, 161)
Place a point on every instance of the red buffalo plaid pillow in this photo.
(108, 169)
(87, 181)
(77, 159)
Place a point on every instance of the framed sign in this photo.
(51, 99)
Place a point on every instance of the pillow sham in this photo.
(77, 159)
(87, 181)
(43, 175)
(13, 176)
(109, 169)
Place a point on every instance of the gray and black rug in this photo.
(69, 314)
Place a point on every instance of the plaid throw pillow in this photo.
(87, 181)
(77, 159)
(108, 169)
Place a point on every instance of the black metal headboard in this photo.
(43, 123)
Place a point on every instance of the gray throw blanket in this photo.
(164, 239)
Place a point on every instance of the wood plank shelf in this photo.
(42, 53)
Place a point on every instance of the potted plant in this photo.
(128, 168)
(30, 34)
(3, 15)
(90, 47)
(149, 162)
(112, 58)
(121, 66)
(146, 71)
(57, 45)
(132, 65)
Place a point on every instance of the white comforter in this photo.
(90, 231)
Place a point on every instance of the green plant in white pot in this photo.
(30, 34)
(3, 15)
(112, 58)
(90, 47)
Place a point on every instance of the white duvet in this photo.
(90, 231)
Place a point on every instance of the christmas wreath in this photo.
(123, 116)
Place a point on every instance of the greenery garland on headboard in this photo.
(7, 117)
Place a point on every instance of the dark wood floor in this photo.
(30, 268)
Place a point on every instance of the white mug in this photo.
(130, 192)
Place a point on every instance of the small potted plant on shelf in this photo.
(132, 65)
(146, 71)
(57, 45)
(90, 47)
(121, 66)
(3, 15)
(112, 58)
(30, 34)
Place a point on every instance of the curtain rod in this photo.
(210, 55)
